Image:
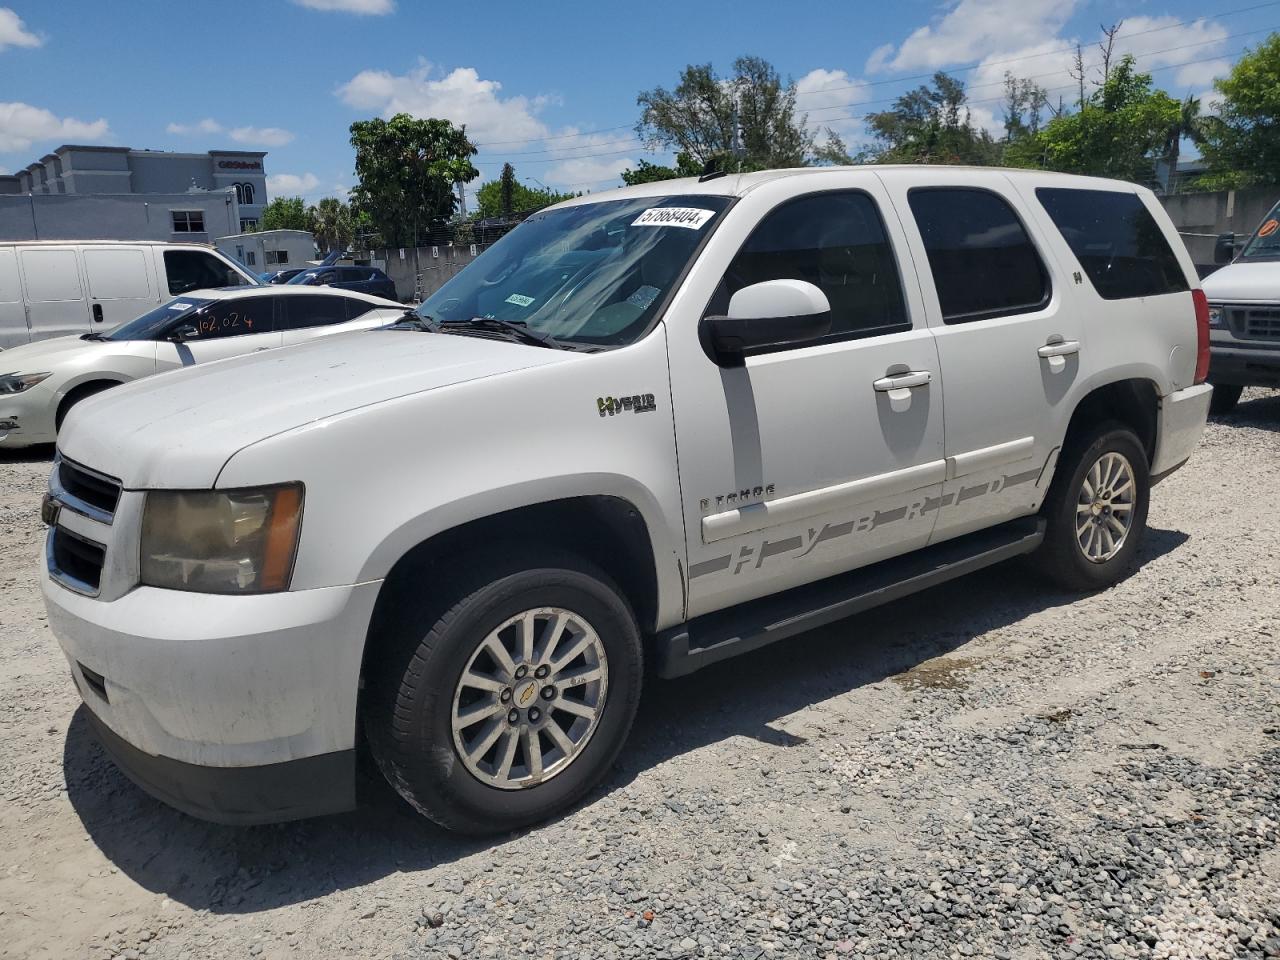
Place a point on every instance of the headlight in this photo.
(1217, 316)
(221, 541)
(17, 382)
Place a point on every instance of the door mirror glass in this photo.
(1225, 248)
(772, 314)
(186, 331)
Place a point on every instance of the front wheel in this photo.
(1096, 509)
(511, 705)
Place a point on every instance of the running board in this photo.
(717, 636)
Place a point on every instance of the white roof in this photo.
(285, 290)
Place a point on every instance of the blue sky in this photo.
(550, 87)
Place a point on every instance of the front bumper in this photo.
(1244, 366)
(233, 708)
(27, 418)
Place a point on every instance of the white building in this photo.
(269, 249)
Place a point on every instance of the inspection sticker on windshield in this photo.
(690, 217)
(519, 299)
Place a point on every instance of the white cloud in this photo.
(971, 27)
(21, 125)
(460, 96)
(364, 8)
(262, 136)
(592, 173)
(830, 98)
(1164, 41)
(292, 184)
(207, 125)
(14, 33)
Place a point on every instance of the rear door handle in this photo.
(1059, 348)
(903, 381)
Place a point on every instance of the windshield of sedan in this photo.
(592, 274)
(305, 279)
(156, 323)
(1265, 242)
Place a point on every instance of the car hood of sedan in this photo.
(46, 355)
(178, 429)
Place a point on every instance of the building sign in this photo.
(239, 164)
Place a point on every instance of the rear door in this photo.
(120, 284)
(56, 304)
(13, 311)
(226, 328)
(1010, 340)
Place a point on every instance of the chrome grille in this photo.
(1260, 323)
(75, 562)
(87, 492)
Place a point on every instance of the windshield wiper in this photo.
(413, 320)
(518, 328)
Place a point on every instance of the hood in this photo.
(178, 429)
(44, 354)
(1257, 282)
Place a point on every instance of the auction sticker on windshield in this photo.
(691, 217)
(519, 299)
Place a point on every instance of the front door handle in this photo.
(1059, 348)
(903, 381)
(97, 313)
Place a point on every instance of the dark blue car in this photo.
(363, 279)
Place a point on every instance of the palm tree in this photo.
(332, 224)
(1189, 125)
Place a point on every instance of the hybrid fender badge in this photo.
(636, 403)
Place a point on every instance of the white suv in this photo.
(658, 426)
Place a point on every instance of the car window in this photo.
(983, 262)
(233, 318)
(197, 270)
(155, 324)
(837, 242)
(1118, 243)
(357, 308)
(301, 311)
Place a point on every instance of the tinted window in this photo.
(302, 311)
(837, 242)
(1116, 240)
(196, 270)
(983, 263)
(357, 308)
(233, 318)
(156, 323)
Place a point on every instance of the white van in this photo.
(53, 288)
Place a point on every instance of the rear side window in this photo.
(1117, 241)
(197, 270)
(301, 312)
(837, 242)
(357, 308)
(983, 262)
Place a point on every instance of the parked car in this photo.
(1244, 315)
(41, 382)
(365, 279)
(280, 276)
(657, 427)
(51, 288)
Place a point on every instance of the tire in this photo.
(1062, 556)
(1225, 397)
(416, 690)
(82, 392)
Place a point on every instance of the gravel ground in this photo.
(993, 769)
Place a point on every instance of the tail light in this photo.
(1202, 335)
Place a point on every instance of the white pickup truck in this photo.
(651, 428)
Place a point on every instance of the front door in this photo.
(1009, 342)
(808, 461)
(56, 304)
(225, 328)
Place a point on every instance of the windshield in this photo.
(152, 325)
(305, 278)
(592, 274)
(1266, 240)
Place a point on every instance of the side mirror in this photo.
(1224, 249)
(775, 313)
(188, 331)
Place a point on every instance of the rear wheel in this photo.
(1096, 510)
(1225, 397)
(514, 702)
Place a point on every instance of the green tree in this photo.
(285, 213)
(1242, 145)
(332, 224)
(646, 172)
(930, 124)
(746, 121)
(1121, 131)
(493, 199)
(407, 169)
(1024, 106)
